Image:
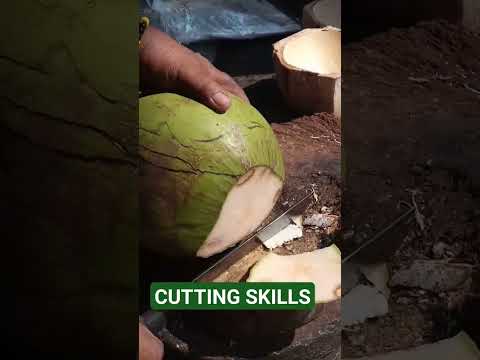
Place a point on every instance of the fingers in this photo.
(231, 85)
(215, 93)
(233, 88)
(149, 347)
(210, 86)
(219, 102)
(205, 88)
(167, 66)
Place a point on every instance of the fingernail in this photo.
(221, 100)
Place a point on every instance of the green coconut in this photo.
(207, 179)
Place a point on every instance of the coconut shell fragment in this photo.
(308, 68)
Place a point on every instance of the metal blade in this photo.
(377, 236)
(274, 229)
(255, 240)
(156, 320)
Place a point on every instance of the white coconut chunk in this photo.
(291, 232)
(322, 267)
(247, 204)
(362, 303)
(297, 219)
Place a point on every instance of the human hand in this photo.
(167, 66)
(149, 346)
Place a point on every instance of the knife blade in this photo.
(256, 239)
(155, 321)
(378, 235)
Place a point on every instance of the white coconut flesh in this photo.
(315, 51)
(322, 267)
(246, 206)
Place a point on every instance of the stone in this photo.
(433, 275)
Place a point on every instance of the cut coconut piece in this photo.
(460, 347)
(362, 303)
(322, 267)
(247, 204)
(207, 180)
(308, 67)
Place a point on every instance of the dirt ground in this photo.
(411, 102)
(410, 111)
(311, 150)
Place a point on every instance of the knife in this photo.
(258, 238)
(156, 322)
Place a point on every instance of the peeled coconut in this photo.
(322, 267)
(308, 68)
(207, 179)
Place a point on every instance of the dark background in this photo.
(68, 135)
(409, 123)
(68, 167)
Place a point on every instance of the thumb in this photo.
(218, 101)
(212, 95)
(205, 90)
(149, 346)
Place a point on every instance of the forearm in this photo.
(167, 66)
